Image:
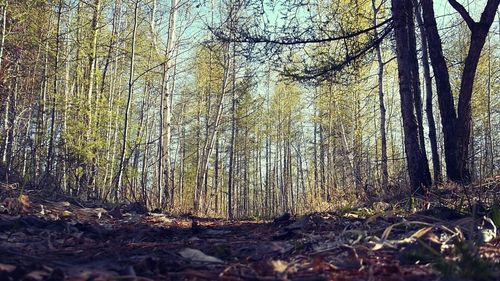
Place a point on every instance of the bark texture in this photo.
(418, 169)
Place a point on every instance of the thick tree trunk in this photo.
(463, 126)
(417, 93)
(417, 165)
(443, 87)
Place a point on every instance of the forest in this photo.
(330, 129)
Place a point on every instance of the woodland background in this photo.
(184, 106)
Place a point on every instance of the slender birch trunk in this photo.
(383, 139)
(165, 110)
(121, 166)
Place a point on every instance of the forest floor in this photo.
(42, 239)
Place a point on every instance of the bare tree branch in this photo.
(463, 12)
(244, 37)
(489, 12)
(320, 74)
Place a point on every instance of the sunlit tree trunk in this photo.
(383, 139)
(121, 166)
(146, 155)
(489, 159)
(68, 90)
(315, 157)
(322, 160)
(112, 42)
(5, 139)
(208, 146)
(10, 117)
(4, 27)
(92, 63)
(232, 145)
(167, 89)
(113, 95)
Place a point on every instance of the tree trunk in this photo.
(166, 109)
(50, 151)
(207, 149)
(92, 63)
(230, 181)
(445, 97)
(383, 139)
(10, 118)
(429, 94)
(489, 159)
(5, 140)
(4, 26)
(402, 11)
(417, 93)
(456, 124)
(479, 32)
(121, 166)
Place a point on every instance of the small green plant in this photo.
(495, 213)
(467, 264)
(412, 205)
(298, 245)
(419, 252)
(463, 263)
(222, 251)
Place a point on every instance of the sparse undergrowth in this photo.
(411, 239)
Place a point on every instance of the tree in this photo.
(254, 117)
(50, 152)
(418, 169)
(457, 122)
(167, 90)
(436, 163)
(121, 165)
(383, 138)
(217, 82)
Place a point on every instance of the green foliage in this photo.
(222, 251)
(463, 263)
(297, 146)
(495, 213)
(466, 264)
(298, 245)
(419, 252)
